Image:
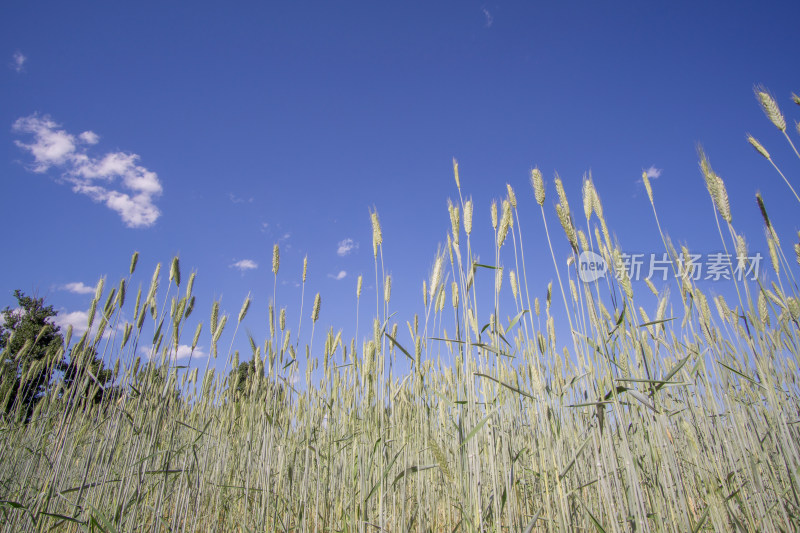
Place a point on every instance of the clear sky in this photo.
(215, 130)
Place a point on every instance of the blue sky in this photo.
(215, 131)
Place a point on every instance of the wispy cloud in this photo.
(19, 61)
(346, 246)
(245, 264)
(276, 231)
(653, 173)
(340, 276)
(489, 18)
(239, 200)
(78, 288)
(114, 179)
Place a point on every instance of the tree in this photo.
(238, 378)
(30, 349)
(88, 376)
(241, 379)
(151, 381)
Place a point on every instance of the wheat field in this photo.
(683, 417)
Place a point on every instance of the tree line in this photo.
(34, 362)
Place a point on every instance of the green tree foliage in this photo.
(32, 352)
(241, 381)
(86, 379)
(30, 349)
(238, 378)
(155, 380)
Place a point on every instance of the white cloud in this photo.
(489, 18)
(245, 264)
(127, 188)
(340, 276)
(653, 173)
(346, 246)
(77, 319)
(184, 351)
(51, 147)
(19, 61)
(89, 137)
(78, 288)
